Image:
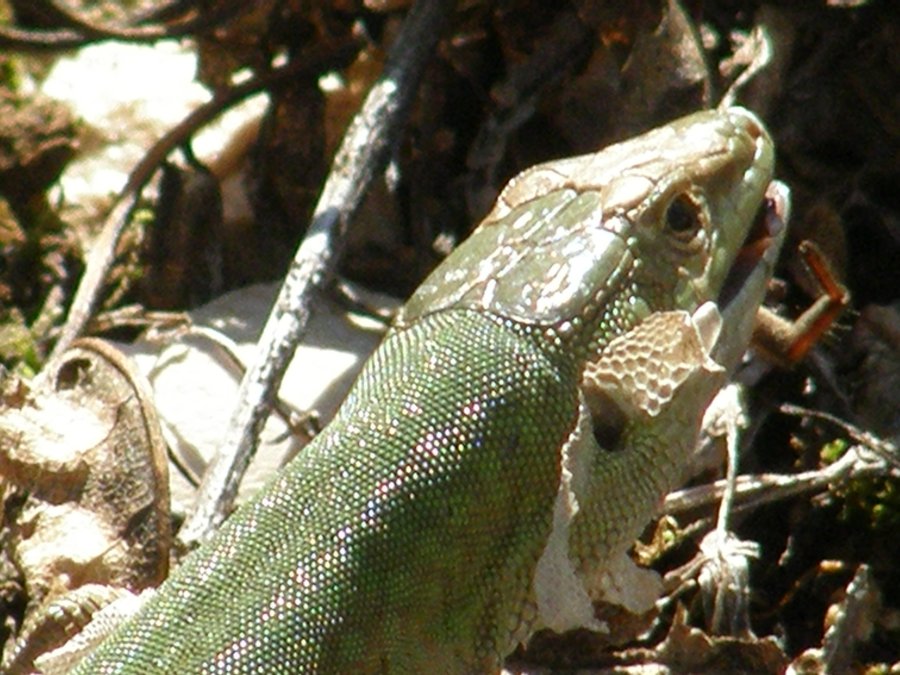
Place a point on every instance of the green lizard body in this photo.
(460, 499)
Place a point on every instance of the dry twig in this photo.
(363, 152)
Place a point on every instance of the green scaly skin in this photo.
(408, 536)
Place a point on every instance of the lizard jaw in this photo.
(746, 284)
(765, 237)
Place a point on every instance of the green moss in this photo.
(872, 501)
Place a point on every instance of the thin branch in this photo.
(23, 39)
(170, 11)
(754, 490)
(364, 152)
(885, 449)
(79, 31)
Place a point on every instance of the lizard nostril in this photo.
(748, 122)
(753, 128)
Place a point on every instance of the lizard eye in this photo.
(683, 217)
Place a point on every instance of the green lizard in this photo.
(515, 430)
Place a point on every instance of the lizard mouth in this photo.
(763, 235)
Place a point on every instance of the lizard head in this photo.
(692, 200)
(589, 246)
